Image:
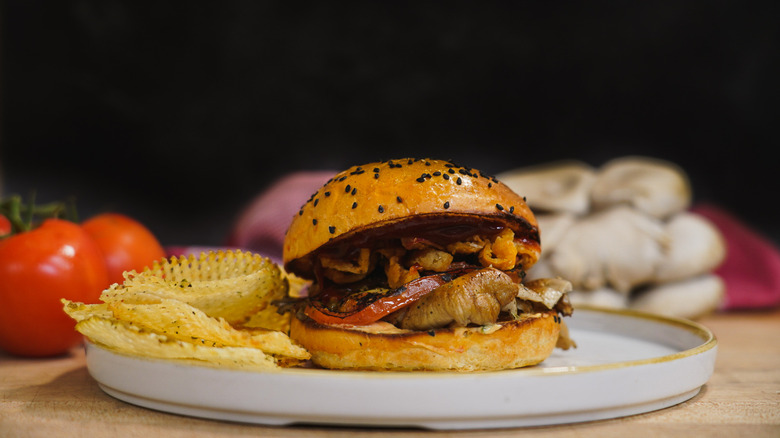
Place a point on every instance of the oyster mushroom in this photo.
(542, 269)
(656, 187)
(689, 298)
(552, 228)
(619, 247)
(562, 186)
(602, 297)
(474, 298)
(696, 248)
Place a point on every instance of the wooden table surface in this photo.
(58, 398)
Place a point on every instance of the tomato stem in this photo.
(26, 216)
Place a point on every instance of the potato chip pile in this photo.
(215, 309)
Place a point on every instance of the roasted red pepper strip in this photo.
(389, 303)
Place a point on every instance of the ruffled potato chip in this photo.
(125, 338)
(180, 321)
(271, 317)
(196, 309)
(81, 311)
(268, 319)
(233, 285)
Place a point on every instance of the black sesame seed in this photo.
(500, 207)
(376, 176)
(450, 170)
(421, 179)
(354, 205)
(376, 170)
(381, 209)
(437, 173)
(459, 181)
(398, 198)
(463, 171)
(410, 162)
(347, 188)
(512, 209)
(354, 190)
(445, 176)
(314, 221)
(447, 205)
(342, 178)
(524, 200)
(316, 201)
(490, 185)
(327, 194)
(300, 212)
(332, 229)
(427, 163)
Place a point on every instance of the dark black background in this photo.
(178, 113)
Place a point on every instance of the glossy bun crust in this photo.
(514, 344)
(386, 193)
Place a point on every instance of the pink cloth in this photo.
(262, 225)
(751, 270)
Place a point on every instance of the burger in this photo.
(418, 264)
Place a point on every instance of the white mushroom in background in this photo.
(696, 248)
(619, 248)
(552, 228)
(560, 187)
(690, 298)
(658, 188)
(622, 235)
(602, 297)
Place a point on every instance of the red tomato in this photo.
(5, 226)
(126, 244)
(38, 268)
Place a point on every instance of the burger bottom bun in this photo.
(506, 345)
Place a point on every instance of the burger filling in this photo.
(417, 283)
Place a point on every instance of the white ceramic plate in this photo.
(625, 363)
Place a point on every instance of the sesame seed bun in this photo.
(387, 194)
(505, 345)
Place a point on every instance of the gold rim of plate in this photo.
(709, 341)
